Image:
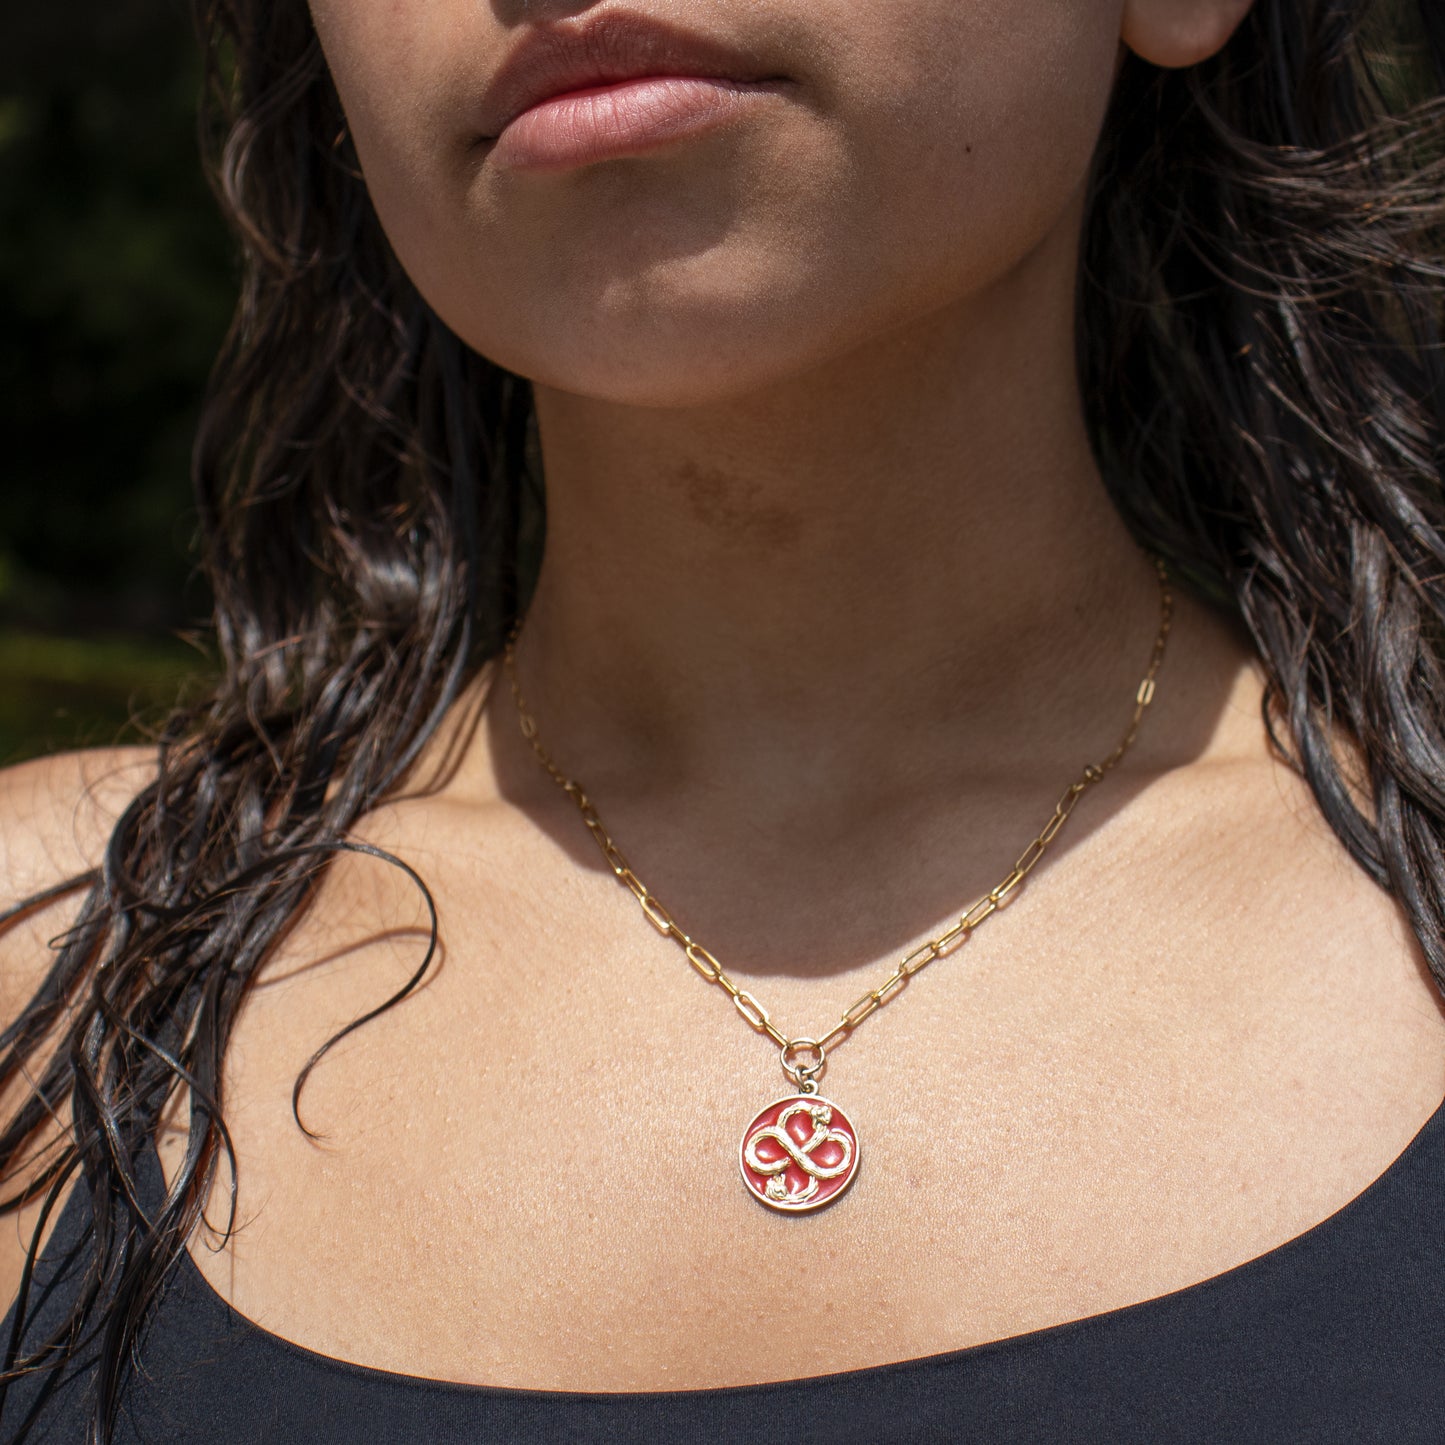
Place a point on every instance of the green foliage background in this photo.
(115, 287)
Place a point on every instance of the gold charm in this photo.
(800, 1153)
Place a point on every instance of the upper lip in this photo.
(604, 49)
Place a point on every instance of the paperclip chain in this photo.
(805, 1074)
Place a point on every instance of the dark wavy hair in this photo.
(1260, 351)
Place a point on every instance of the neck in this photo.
(902, 561)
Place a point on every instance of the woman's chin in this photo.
(678, 382)
(684, 359)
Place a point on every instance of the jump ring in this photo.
(800, 1073)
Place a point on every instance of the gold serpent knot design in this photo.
(778, 1190)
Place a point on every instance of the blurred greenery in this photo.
(61, 692)
(116, 278)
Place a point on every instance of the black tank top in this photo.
(1337, 1335)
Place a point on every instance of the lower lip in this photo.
(630, 118)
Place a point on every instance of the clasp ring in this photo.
(804, 1073)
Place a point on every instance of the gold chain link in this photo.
(708, 966)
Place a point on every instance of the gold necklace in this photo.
(801, 1152)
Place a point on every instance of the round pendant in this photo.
(799, 1153)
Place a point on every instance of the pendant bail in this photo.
(804, 1073)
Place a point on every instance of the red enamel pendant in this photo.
(800, 1153)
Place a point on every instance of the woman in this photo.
(865, 350)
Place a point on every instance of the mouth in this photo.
(614, 84)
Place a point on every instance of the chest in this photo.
(530, 1175)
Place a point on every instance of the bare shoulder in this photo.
(56, 814)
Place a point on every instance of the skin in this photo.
(833, 607)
